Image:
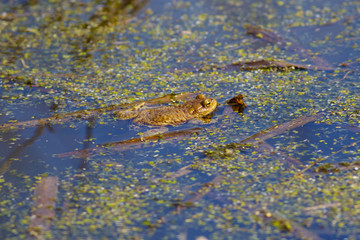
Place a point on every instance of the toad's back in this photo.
(163, 116)
(174, 115)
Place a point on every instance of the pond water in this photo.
(198, 180)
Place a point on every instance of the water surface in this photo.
(62, 56)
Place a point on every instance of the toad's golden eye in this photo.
(206, 103)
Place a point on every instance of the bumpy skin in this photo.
(173, 115)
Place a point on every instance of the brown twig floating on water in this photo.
(262, 64)
(43, 211)
(130, 144)
(260, 137)
(93, 113)
(265, 64)
(275, 38)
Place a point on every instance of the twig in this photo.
(43, 212)
(279, 129)
(321, 206)
(266, 64)
(134, 143)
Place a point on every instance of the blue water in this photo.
(160, 51)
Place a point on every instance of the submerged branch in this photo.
(260, 137)
(263, 64)
(266, 64)
(322, 206)
(43, 211)
(130, 144)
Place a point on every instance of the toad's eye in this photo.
(206, 103)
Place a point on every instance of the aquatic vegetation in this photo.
(286, 166)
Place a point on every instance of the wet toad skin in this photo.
(171, 115)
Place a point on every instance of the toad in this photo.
(170, 115)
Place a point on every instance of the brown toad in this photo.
(171, 115)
